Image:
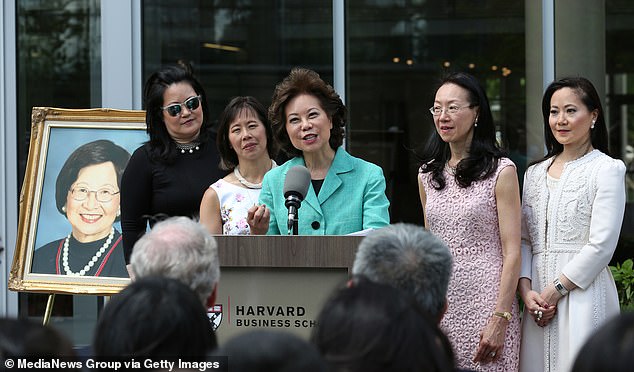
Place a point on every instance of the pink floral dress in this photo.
(466, 220)
(235, 202)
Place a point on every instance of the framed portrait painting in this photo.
(69, 234)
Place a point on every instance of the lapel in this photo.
(342, 163)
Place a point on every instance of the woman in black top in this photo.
(168, 175)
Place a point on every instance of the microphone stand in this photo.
(292, 203)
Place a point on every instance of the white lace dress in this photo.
(235, 202)
(570, 226)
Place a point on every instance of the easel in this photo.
(51, 300)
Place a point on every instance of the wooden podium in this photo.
(278, 282)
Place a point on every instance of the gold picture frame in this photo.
(57, 134)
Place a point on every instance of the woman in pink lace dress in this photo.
(470, 197)
(246, 146)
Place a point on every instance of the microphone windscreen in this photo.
(297, 181)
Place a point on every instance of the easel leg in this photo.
(49, 308)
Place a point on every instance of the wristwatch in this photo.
(560, 287)
(506, 315)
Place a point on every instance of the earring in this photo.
(64, 209)
(476, 122)
(118, 212)
(592, 126)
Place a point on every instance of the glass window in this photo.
(59, 65)
(239, 47)
(398, 50)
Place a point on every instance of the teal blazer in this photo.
(352, 198)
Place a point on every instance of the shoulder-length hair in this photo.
(590, 98)
(162, 147)
(484, 151)
(228, 156)
(304, 81)
(91, 153)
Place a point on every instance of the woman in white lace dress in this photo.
(246, 146)
(573, 205)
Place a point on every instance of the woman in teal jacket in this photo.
(346, 194)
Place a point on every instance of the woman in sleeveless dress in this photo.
(470, 197)
(246, 146)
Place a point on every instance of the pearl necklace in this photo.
(247, 184)
(188, 147)
(90, 263)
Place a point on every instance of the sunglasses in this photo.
(175, 109)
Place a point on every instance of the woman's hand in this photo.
(540, 309)
(491, 340)
(552, 297)
(258, 218)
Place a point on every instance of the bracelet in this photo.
(560, 287)
(506, 315)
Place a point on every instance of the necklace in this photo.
(188, 147)
(90, 263)
(247, 184)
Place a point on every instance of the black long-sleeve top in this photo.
(152, 190)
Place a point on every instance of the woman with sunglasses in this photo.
(168, 175)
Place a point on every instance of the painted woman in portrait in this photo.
(87, 194)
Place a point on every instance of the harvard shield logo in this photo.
(215, 316)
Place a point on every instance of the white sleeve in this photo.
(527, 248)
(608, 208)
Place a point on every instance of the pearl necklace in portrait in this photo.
(90, 263)
(188, 147)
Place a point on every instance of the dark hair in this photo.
(154, 317)
(375, 327)
(304, 81)
(161, 145)
(590, 98)
(484, 152)
(610, 348)
(266, 350)
(91, 153)
(26, 338)
(228, 156)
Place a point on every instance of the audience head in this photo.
(179, 248)
(589, 98)
(237, 108)
(154, 317)
(375, 327)
(26, 338)
(410, 258)
(304, 81)
(271, 351)
(610, 348)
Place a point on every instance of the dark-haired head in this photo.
(241, 106)
(154, 317)
(91, 153)
(483, 151)
(304, 81)
(20, 338)
(610, 348)
(590, 98)
(375, 327)
(161, 144)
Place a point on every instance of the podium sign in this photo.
(278, 282)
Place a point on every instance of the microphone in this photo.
(295, 187)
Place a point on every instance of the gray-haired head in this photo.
(410, 258)
(182, 249)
